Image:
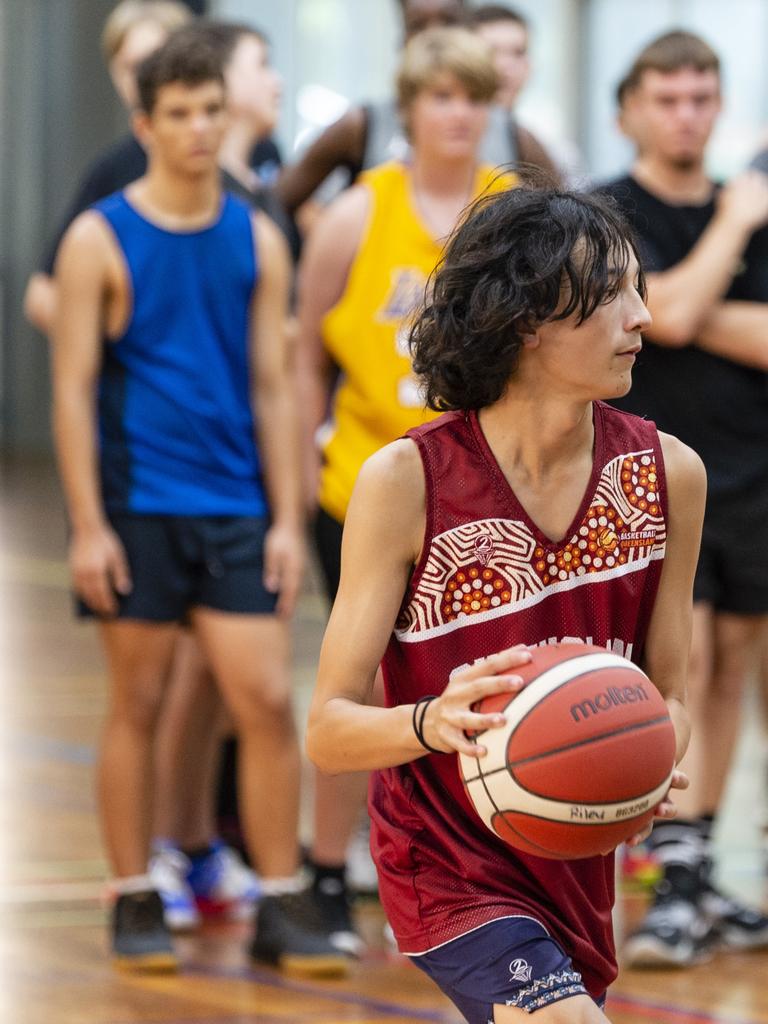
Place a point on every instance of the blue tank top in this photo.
(175, 420)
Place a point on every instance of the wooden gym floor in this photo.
(53, 968)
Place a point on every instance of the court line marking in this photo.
(380, 1006)
(645, 1007)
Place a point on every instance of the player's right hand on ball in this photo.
(99, 568)
(450, 717)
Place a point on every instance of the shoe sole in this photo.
(325, 966)
(150, 963)
(314, 967)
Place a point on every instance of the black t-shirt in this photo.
(125, 161)
(716, 406)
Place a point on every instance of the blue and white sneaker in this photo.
(222, 885)
(168, 869)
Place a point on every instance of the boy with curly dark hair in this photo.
(534, 320)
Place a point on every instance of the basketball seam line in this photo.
(571, 746)
(565, 682)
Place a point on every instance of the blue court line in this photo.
(668, 1013)
(672, 1013)
(371, 1005)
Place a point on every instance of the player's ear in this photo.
(531, 340)
(140, 126)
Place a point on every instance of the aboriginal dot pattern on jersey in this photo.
(488, 565)
(474, 589)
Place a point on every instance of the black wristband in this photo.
(419, 712)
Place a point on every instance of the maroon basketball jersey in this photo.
(488, 579)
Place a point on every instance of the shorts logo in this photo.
(520, 970)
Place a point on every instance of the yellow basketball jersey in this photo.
(366, 333)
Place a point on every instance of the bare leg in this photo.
(339, 803)
(715, 702)
(139, 657)
(249, 657)
(187, 750)
(576, 1010)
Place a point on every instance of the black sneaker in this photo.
(140, 938)
(674, 933)
(287, 935)
(736, 926)
(331, 897)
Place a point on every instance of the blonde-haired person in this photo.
(364, 271)
(133, 30)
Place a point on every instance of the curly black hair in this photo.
(519, 259)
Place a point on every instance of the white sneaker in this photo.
(168, 869)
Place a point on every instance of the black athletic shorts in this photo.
(183, 562)
(732, 574)
(328, 533)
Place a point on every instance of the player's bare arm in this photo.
(669, 634)
(383, 534)
(340, 144)
(274, 404)
(681, 299)
(325, 265)
(91, 304)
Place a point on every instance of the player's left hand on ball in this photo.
(450, 717)
(666, 808)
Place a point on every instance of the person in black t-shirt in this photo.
(131, 32)
(702, 376)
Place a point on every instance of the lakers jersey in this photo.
(488, 579)
(366, 332)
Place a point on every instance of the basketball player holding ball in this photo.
(534, 319)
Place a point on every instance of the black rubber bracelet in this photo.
(419, 712)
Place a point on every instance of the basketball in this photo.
(585, 756)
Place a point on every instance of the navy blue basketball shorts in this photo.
(512, 961)
(732, 571)
(182, 562)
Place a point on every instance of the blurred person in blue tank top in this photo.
(177, 444)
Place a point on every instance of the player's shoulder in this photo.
(681, 461)
(397, 465)
(350, 209)
(341, 227)
(88, 234)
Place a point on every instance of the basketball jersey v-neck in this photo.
(505, 487)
